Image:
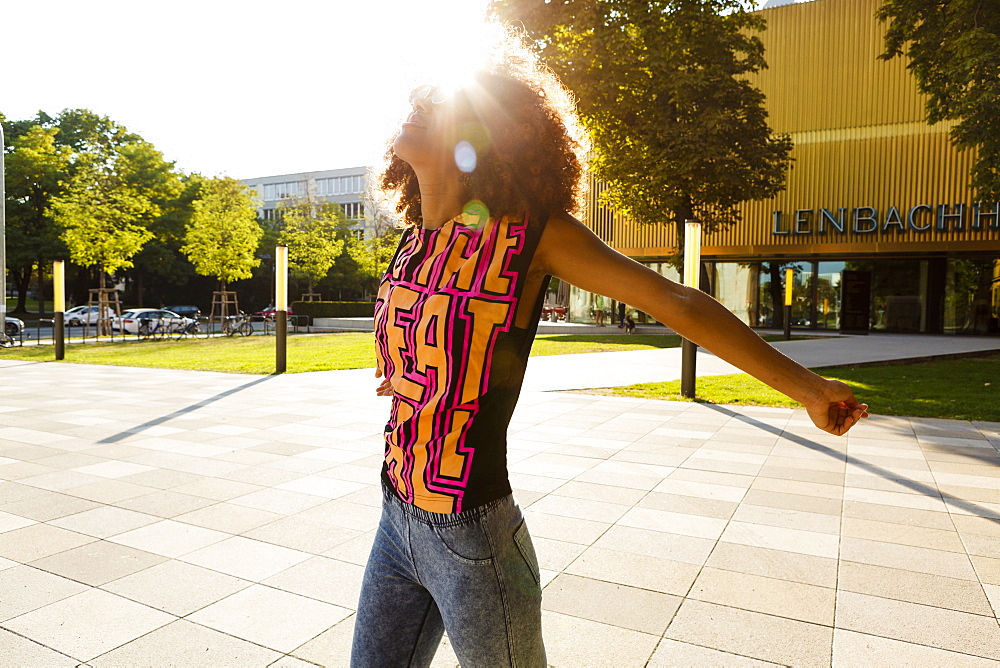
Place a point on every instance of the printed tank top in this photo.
(445, 335)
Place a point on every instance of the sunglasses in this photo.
(433, 94)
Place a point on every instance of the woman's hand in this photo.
(837, 410)
(384, 389)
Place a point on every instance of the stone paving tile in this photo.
(920, 624)
(36, 541)
(753, 634)
(157, 587)
(627, 607)
(98, 562)
(333, 647)
(859, 649)
(936, 539)
(921, 560)
(20, 651)
(573, 641)
(245, 558)
(688, 505)
(776, 564)
(788, 518)
(183, 643)
(270, 617)
(672, 546)
(783, 598)
(88, 624)
(676, 653)
(24, 588)
(555, 555)
(635, 570)
(779, 538)
(923, 588)
(567, 529)
(104, 521)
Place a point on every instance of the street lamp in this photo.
(59, 308)
(692, 274)
(280, 308)
(789, 280)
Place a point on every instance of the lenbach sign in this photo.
(864, 220)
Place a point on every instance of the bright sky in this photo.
(246, 88)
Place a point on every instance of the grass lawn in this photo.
(253, 354)
(962, 389)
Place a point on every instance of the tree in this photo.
(310, 232)
(102, 213)
(678, 131)
(34, 169)
(223, 234)
(77, 158)
(952, 52)
(374, 250)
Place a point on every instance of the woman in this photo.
(485, 177)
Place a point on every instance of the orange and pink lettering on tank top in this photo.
(444, 321)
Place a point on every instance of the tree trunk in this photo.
(103, 322)
(41, 291)
(22, 279)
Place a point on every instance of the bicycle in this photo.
(151, 328)
(237, 324)
(182, 330)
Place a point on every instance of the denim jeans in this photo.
(473, 574)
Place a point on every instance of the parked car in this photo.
(79, 315)
(187, 311)
(132, 319)
(13, 326)
(268, 313)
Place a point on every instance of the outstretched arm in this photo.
(571, 252)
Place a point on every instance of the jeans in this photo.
(473, 574)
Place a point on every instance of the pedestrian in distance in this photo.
(486, 177)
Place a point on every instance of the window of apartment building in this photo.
(341, 185)
(353, 209)
(273, 191)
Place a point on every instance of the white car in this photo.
(13, 326)
(83, 315)
(133, 319)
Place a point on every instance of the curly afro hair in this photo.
(529, 143)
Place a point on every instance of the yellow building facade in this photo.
(877, 217)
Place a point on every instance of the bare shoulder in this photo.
(566, 238)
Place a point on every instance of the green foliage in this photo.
(34, 168)
(311, 231)
(677, 128)
(83, 179)
(99, 213)
(952, 52)
(372, 255)
(223, 233)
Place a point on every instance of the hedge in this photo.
(334, 309)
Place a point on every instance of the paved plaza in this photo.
(173, 518)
